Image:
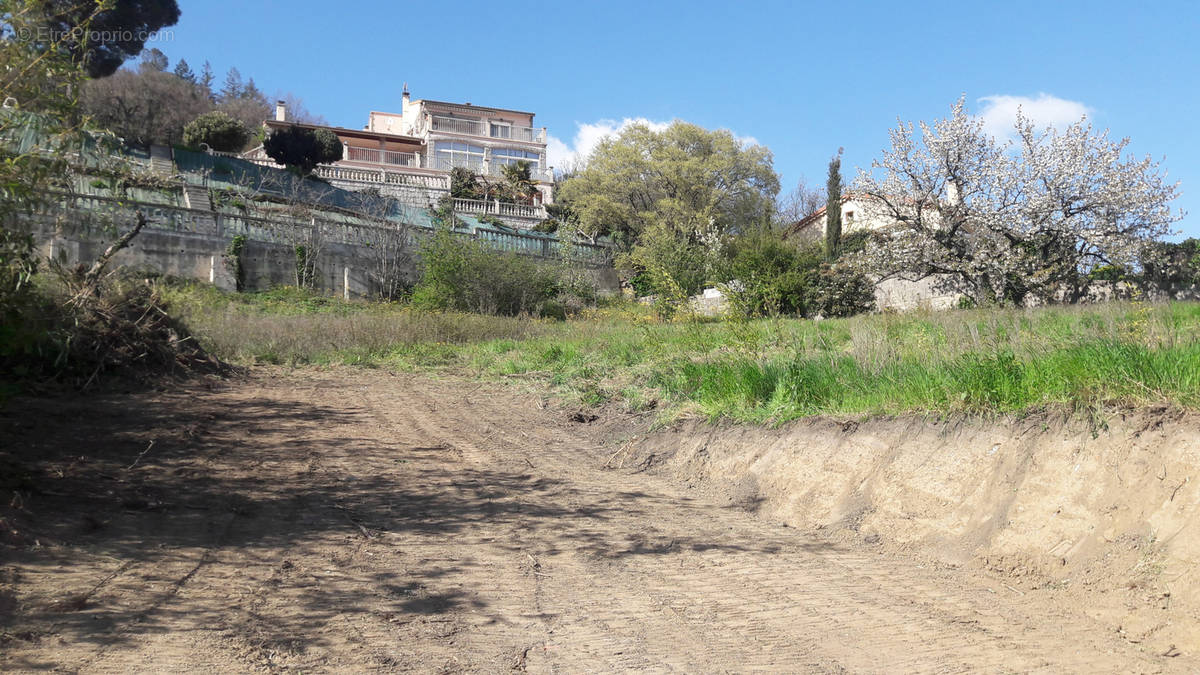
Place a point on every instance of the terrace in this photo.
(492, 129)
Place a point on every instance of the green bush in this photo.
(664, 262)
(1171, 264)
(838, 290)
(1108, 273)
(770, 276)
(458, 273)
(217, 130)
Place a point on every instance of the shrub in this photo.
(463, 274)
(839, 290)
(665, 262)
(1170, 264)
(772, 276)
(217, 130)
(1107, 273)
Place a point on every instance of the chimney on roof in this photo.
(404, 98)
(280, 111)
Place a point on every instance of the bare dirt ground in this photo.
(354, 520)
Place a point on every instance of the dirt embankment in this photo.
(1107, 514)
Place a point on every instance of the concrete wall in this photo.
(193, 244)
(932, 293)
(898, 295)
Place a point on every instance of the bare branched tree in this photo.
(392, 246)
(803, 201)
(294, 201)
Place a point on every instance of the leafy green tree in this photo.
(833, 207)
(464, 274)
(1172, 265)
(302, 149)
(684, 177)
(671, 198)
(217, 130)
(117, 32)
(769, 275)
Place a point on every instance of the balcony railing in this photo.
(377, 156)
(457, 126)
(527, 134)
(487, 129)
(349, 173)
(499, 208)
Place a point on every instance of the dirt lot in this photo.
(353, 520)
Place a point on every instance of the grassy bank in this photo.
(770, 370)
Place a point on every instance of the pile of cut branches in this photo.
(127, 329)
(98, 323)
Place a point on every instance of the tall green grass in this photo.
(987, 360)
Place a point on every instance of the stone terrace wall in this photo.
(192, 243)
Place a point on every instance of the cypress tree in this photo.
(833, 207)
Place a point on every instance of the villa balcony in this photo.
(377, 156)
(454, 125)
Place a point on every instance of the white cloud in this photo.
(746, 141)
(587, 137)
(999, 112)
(562, 156)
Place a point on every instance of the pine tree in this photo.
(233, 86)
(207, 78)
(251, 92)
(184, 72)
(833, 207)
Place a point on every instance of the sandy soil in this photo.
(354, 520)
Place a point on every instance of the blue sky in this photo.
(801, 78)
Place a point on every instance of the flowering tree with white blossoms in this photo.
(1004, 221)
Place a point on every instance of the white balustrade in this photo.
(499, 208)
(457, 126)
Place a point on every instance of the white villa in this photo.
(409, 154)
(855, 218)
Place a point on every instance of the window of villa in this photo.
(514, 155)
(849, 216)
(454, 153)
(501, 130)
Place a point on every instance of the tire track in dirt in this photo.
(404, 524)
(896, 621)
